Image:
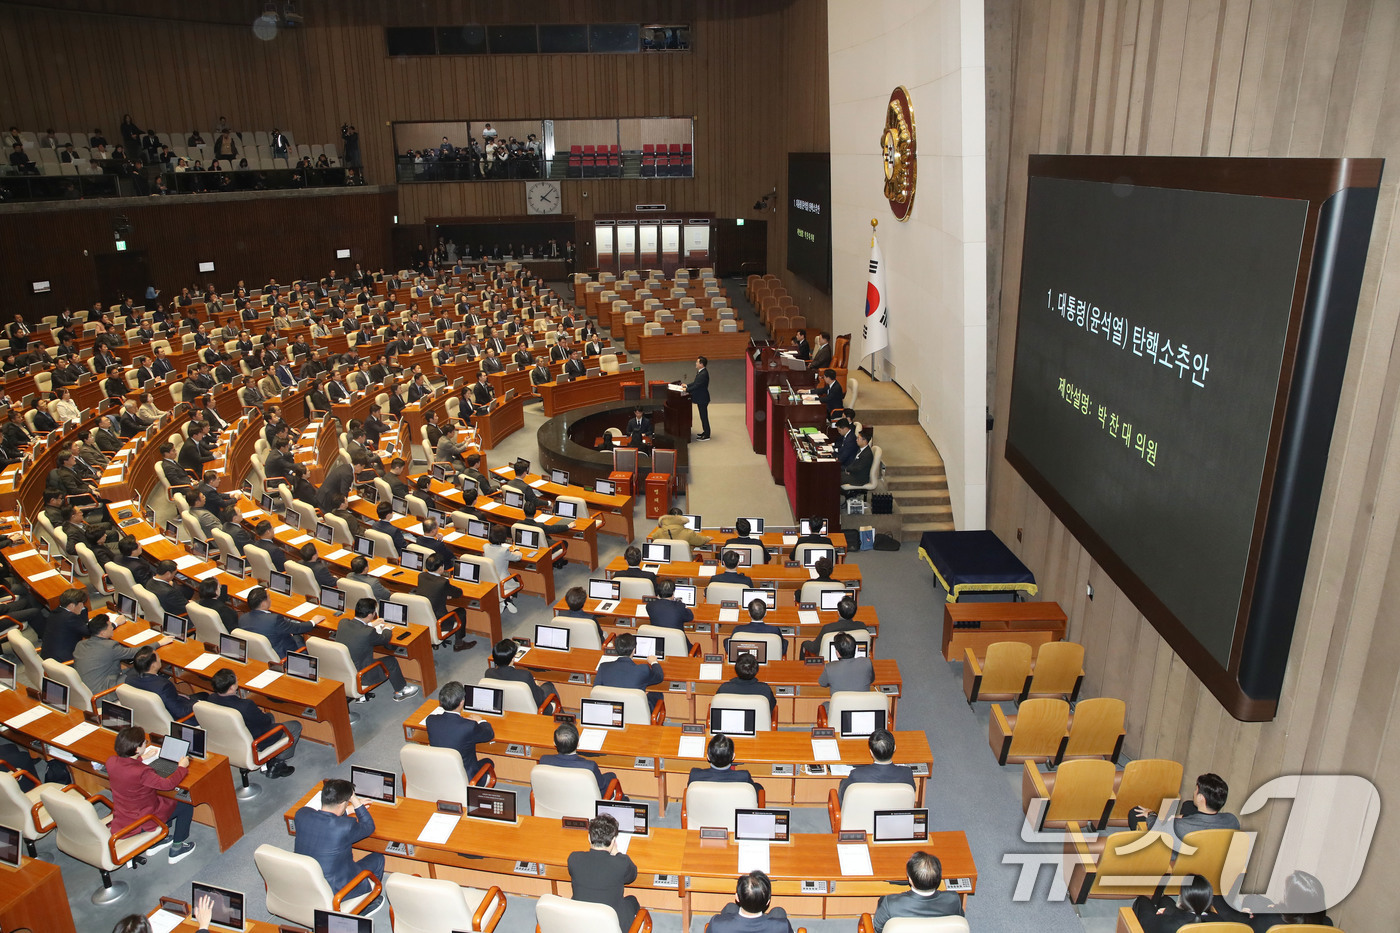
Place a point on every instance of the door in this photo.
(670, 247)
(646, 245)
(122, 275)
(626, 246)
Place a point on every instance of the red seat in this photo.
(613, 150)
(685, 148)
(648, 148)
(588, 150)
(575, 150)
(675, 147)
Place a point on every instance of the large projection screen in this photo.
(1180, 346)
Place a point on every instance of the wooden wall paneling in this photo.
(1226, 77)
(1200, 52)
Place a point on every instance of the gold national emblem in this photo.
(900, 154)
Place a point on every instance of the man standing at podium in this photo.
(699, 392)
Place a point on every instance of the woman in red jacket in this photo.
(136, 789)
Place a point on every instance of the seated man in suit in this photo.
(283, 633)
(258, 721)
(831, 395)
(668, 612)
(485, 483)
(720, 754)
(821, 356)
(567, 756)
(633, 556)
(540, 374)
(310, 558)
(576, 597)
(858, 473)
(384, 525)
(744, 535)
(449, 727)
(845, 622)
(365, 632)
(881, 771)
(429, 539)
(194, 453)
(758, 609)
(923, 899)
(501, 669)
(439, 590)
(130, 550)
(730, 560)
(145, 675)
(173, 597)
(329, 834)
(847, 672)
(358, 567)
(749, 913)
(745, 681)
(845, 443)
(600, 874)
(268, 542)
(816, 537)
(625, 672)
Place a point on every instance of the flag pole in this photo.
(874, 358)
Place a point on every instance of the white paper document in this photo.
(439, 828)
(263, 679)
(299, 540)
(43, 576)
(825, 750)
(151, 539)
(188, 561)
(491, 506)
(163, 921)
(337, 554)
(110, 480)
(789, 540)
(707, 571)
(206, 574)
(854, 859)
(140, 638)
(28, 716)
(201, 662)
(539, 482)
(382, 570)
(74, 734)
(808, 616)
(23, 554)
(623, 841)
(840, 770)
(691, 746)
(753, 856)
(729, 615)
(711, 671)
(452, 536)
(303, 609)
(591, 740)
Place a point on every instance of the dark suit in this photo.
(329, 839)
(625, 672)
(227, 617)
(599, 877)
(274, 553)
(636, 573)
(876, 773)
(638, 431)
(140, 570)
(193, 457)
(283, 633)
(729, 921)
(732, 576)
(575, 369)
(804, 350)
(913, 904)
(832, 396)
(336, 486)
(821, 359)
(858, 473)
(176, 703)
(854, 674)
(361, 640)
(748, 688)
(438, 590)
(539, 691)
(62, 633)
(722, 775)
(840, 625)
(587, 764)
(173, 597)
(452, 730)
(846, 449)
(700, 395)
(669, 613)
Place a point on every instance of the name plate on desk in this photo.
(850, 835)
(574, 822)
(714, 835)
(822, 733)
(692, 728)
(565, 717)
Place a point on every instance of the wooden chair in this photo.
(1095, 729)
(1121, 865)
(1058, 671)
(1217, 855)
(1036, 732)
(1144, 783)
(1079, 791)
(1129, 923)
(1004, 674)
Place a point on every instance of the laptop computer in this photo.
(54, 695)
(528, 538)
(233, 648)
(280, 583)
(326, 921)
(561, 477)
(604, 589)
(565, 509)
(238, 566)
(168, 758)
(193, 735)
(814, 554)
(477, 528)
(126, 606)
(755, 524)
(332, 599)
(9, 846)
(828, 600)
(656, 553)
(605, 487)
(804, 527)
(411, 560)
(7, 674)
(364, 546)
(650, 646)
(228, 904)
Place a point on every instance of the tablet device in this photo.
(112, 715)
(301, 665)
(372, 784)
(656, 553)
(228, 904)
(901, 826)
(410, 560)
(54, 695)
(859, 723)
(602, 714)
(9, 846)
(686, 593)
(489, 701)
(192, 736)
(650, 646)
(732, 722)
(813, 554)
(761, 825)
(768, 595)
(393, 613)
(551, 636)
(604, 589)
(828, 600)
(738, 646)
(332, 599)
(632, 818)
(233, 648)
(491, 803)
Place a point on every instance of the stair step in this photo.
(910, 532)
(886, 416)
(915, 482)
(915, 469)
(930, 501)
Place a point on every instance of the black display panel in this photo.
(1178, 364)
(461, 40)
(1148, 354)
(570, 37)
(614, 37)
(410, 40)
(809, 217)
(512, 40)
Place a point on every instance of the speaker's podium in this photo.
(675, 410)
(661, 482)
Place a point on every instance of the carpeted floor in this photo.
(967, 790)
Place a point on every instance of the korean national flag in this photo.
(877, 317)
